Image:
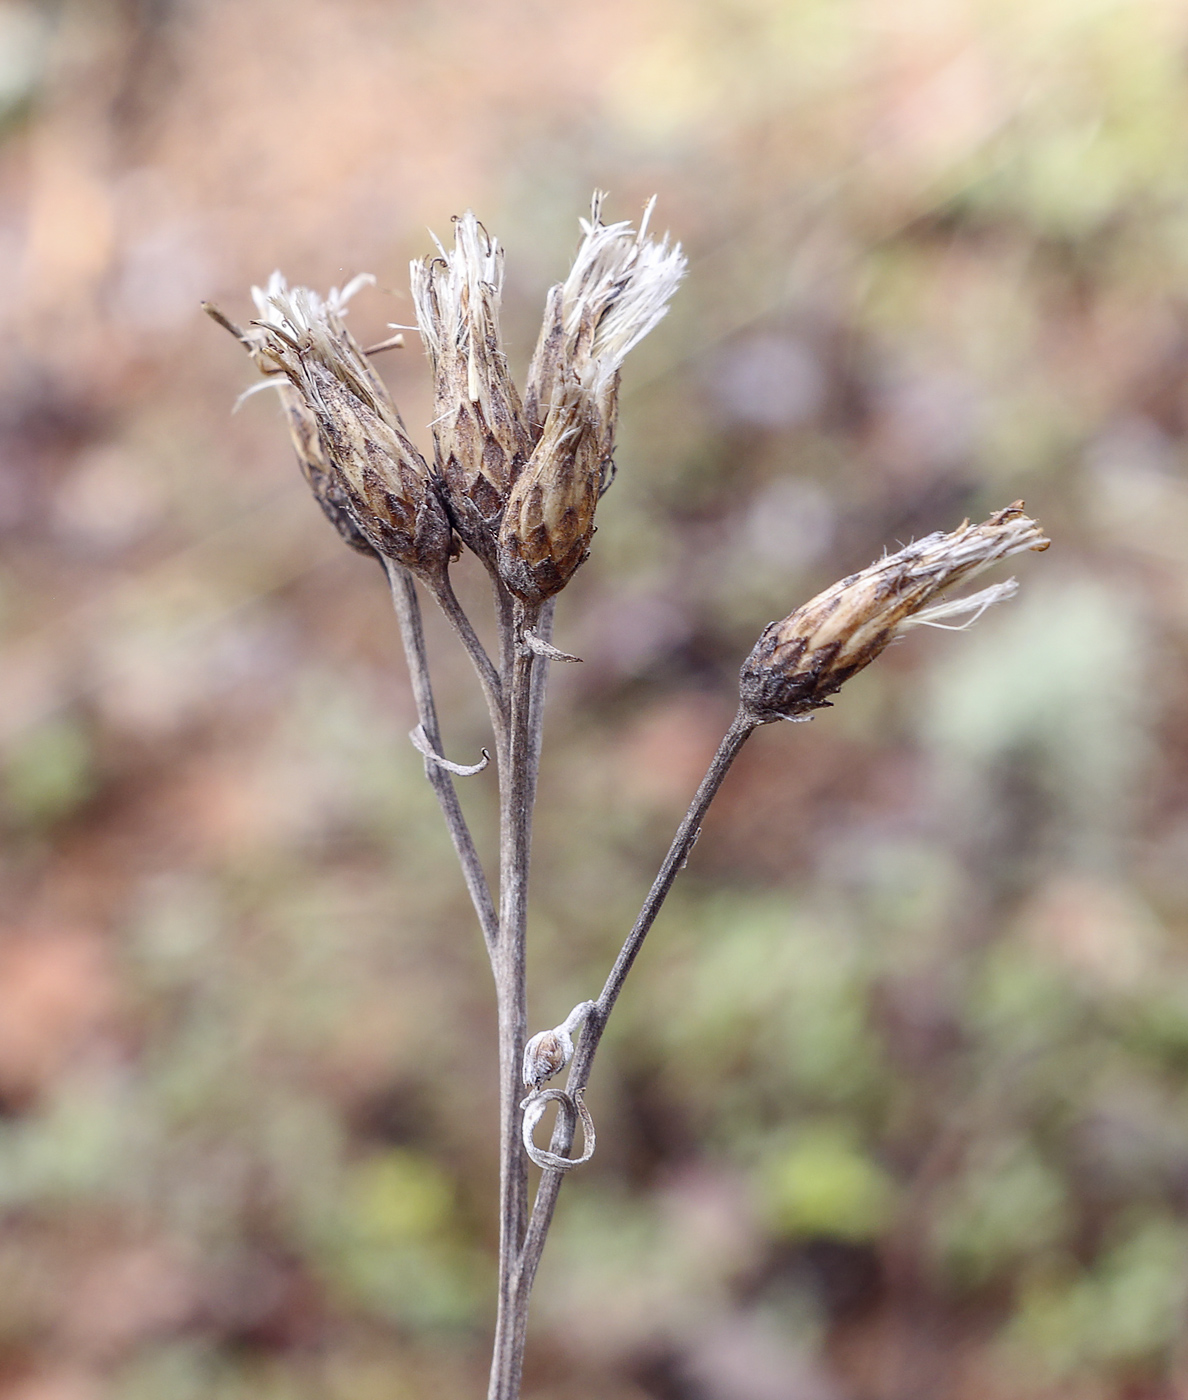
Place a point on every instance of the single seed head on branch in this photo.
(618, 289)
(799, 662)
(358, 457)
(479, 429)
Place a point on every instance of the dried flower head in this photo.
(618, 289)
(808, 656)
(351, 441)
(479, 430)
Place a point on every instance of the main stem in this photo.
(517, 796)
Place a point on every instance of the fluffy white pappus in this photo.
(302, 314)
(971, 608)
(296, 329)
(622, 280)
(965, 552)
(457, 293)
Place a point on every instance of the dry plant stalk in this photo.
(517, 481)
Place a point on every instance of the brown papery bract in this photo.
(549, 520)
(318, 471)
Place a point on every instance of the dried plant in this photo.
(518, 481)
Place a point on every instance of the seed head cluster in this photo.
(516, 479)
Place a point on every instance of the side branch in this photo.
(740, 731)
(484, 667)
(408, 614)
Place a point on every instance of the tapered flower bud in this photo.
(618, 289)
(799, 662)
(548, 1052)
(479, 429)
(352, 444)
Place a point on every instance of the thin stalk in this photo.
(518, 794)
(408, 614)
(741, 729)
(505, 616)
(540, 682)
(489, 679)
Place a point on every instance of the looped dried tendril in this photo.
(534, 1106)
(421, 743)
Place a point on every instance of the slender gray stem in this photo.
(518, 794)
(743, 726)
(540, 683)
(408, 614)
(489, 679)
(505, 615)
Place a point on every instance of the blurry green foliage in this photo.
(753, 1001)
(75, 1150)
(1127, 1309)
(392, 1245)
(1008, 1205)
(822, 1185)
(47, 773)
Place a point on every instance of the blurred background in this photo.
(895, 1105)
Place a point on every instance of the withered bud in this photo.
(479, 430)
(548, 1052)
(549, 519)
(359, 458)
(618, 289)
(799, 662)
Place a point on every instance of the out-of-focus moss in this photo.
(1019, 1005)
(822, 1184)
(192, 1371)
(47, 773)
(1007, 1205)
(391, 1244)
(87, 1143)
(1127, 1310)
(1056, 685)
(754, 1000)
